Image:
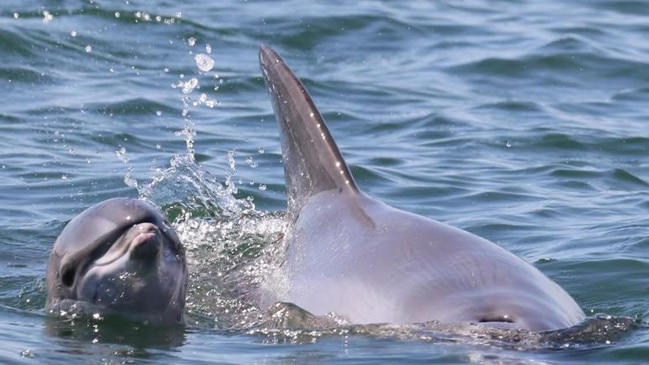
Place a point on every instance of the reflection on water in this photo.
(115, 330)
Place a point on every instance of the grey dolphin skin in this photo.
(370, 263)
(121, 257)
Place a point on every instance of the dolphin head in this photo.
(120, 256)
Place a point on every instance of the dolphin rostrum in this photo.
(355, 256)
(122, 257)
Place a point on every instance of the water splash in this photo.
(204, 62)
(129, 180)
(592, 333)
(228, 258)
(230, 246)
(185, 188)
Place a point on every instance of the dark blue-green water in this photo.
(525, 122)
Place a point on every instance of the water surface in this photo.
(523, 122)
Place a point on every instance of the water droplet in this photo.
(231, 161)
(27, 353)
(121, 154)
(47, 16)
(210, 103)
(204, 62)
(251, 162)
(187, 86)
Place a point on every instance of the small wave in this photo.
(132, 107)
(640, 94)
(592, 332)
(514, 106)
(629, 7)
(24, 74)
(553, 141)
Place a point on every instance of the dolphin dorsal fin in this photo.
(312, 161)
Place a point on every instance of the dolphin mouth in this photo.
(141, 241)
(145, 245)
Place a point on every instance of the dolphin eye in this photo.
(67, 278)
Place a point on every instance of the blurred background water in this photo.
(524, 122)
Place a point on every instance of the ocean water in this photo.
(524, 122)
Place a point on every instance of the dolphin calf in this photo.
(355, 256)
(120, 256)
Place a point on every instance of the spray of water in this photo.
(230, 246)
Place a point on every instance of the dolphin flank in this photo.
(370, 263)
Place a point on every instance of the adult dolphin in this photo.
(120, 256)
(353, 255)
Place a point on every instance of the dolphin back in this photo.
(312, 161)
